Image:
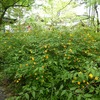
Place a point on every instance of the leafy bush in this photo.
(52, 65)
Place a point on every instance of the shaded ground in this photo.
(2, 94)
(5, 92)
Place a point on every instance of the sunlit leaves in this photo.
(60, 10)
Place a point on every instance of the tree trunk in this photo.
(2, 15)
(0, 24)
(98, 21)
(0, 21)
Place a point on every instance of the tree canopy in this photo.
(58, 11)
(6, 4)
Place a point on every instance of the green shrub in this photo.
(52, 65)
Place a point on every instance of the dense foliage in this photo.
(52, 65)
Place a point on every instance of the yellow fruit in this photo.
(45, 51)
(45, 46)
(88, 34)
(65, 55)
(36, 78)
(64, 46)
(35, 73)
(73, 81)
(34, 63)
(78, 83)
(96, 78)
(82, 86)
(91, 76)
(26, 64)
(84, 81)
(69, 43)
(68, 57)
(42, 66)
(32, 58)
(71, 35)
(75, 78)
(30, 51)
(70, 50)
(17, 81)
(87, 82)
(46, 56)
(80, 72)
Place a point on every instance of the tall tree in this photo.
(7, 4)
(93, 12)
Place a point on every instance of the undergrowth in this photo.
(52, 65)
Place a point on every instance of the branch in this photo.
(85, 18)
(84, 15)
(21, 5)
(64, 6)
(2, 15)
(81, 20)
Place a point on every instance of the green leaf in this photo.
(79, 91)
(79, 97)
(96, 98)
(91, 89)
(73, 88)
(41, 91)
(33, 94)
(57, 93)
(61, 87)
(70, 76)
(88, 95)
(69, 96)
(55, 62)
(63, 92)
(36, 69)
(27, 96)
(34, 88)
